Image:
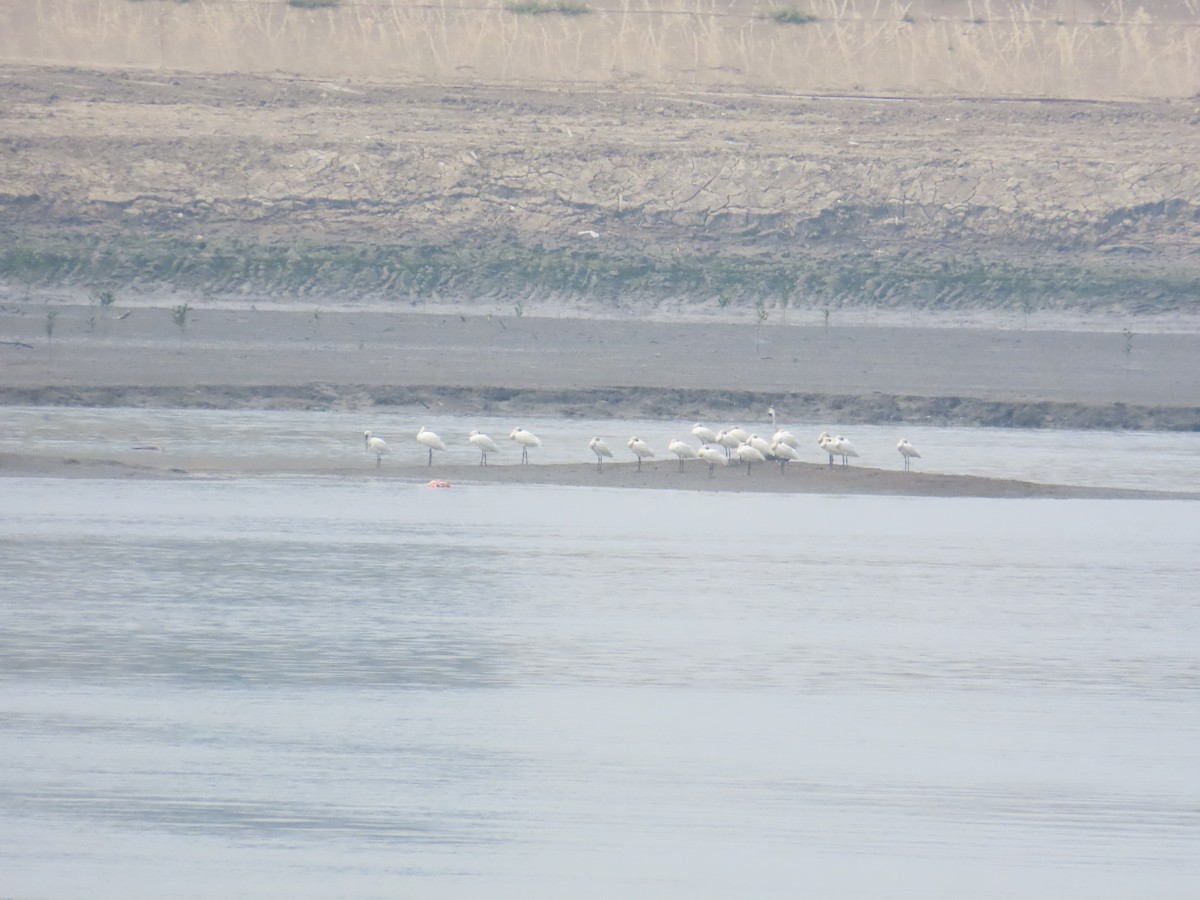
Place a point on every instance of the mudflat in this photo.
(474, 361)
(302, 358)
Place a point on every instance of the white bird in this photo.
(485, 444)
(844, 448)
(640, 449)
(378, 446)
(597, 446)
(704, 434)
(728, 441)
(748, 455)
(762, 445)
(782, 435)
(588, 233)
(682, 450)
(713, 457)
(825, 442)
(526, 439)
(738, 432)
(785, 453)
(430, 440)
(908, 451)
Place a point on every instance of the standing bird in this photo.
(749, 455)
(844, 448)
(782, 435)
(682, 450)
(761, 445)
(728, 441)
(738, 432)
(430, 440)
(597, 446)
(526, 439)
(640, 449)
(485, 444)
(378, 446)
(908, 451)
(785, 453)
(825, 442)
(713, 457)
(704, 434)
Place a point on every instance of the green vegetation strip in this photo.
(541, 8)
(511, 272)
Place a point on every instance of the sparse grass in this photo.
(408, 274)
(180, 315)
(542, 8)
(314, 4)
(790, 15)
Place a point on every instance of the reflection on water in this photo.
(1147, 460)
(321, 689)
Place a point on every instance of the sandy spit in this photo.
(796, 478)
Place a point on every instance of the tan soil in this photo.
(798, 478)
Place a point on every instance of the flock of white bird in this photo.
(734, 442)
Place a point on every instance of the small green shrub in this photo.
(789, 15)
(542, 8)
(313, 4)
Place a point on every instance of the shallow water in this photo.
(1146, 460)
(324, 689)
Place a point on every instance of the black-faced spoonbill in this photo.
(682, 450)
(378, 446)
(704, 434)
(485, 444)
(713, 457)
(430, 440)
(782, 435)
(908, 451)
(728, 441)
(785, 453)
(825, 442)
(749, 455)
(844, 448)
(640, 449)
(597, 446)
(526, 439)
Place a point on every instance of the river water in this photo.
(321, 687)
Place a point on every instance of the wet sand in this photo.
(795, 478)
(479, 363)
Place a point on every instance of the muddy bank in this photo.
(623, 403)
(345, 359)
(797, 478)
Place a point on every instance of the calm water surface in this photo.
(282, 688)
